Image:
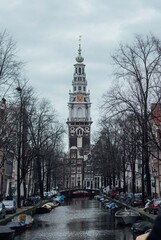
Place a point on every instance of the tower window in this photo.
(79, 132)
(84, 88)
(79, 70)
(75, 70)
(79, 88)
(75, 88)
(83, 71)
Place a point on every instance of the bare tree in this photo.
(46, 133)
(10, 67)
(138, 76)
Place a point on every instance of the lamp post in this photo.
(155, 175)
(19, 148)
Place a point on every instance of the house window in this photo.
(78, 169)
(79, 161)
(73, 170)
(67, 170)
(78, 181)
(73, 155)
(75, 88)
(67, 182)
(73, 161)
(79, 88)
(73, 181)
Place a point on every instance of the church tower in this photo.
(79, 121)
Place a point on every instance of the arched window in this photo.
(79, 131)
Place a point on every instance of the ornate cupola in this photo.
(79, 105)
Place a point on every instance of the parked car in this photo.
(10, 206)
(154, 205)
(137, 200)
(2, 210)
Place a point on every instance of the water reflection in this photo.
(79, 219)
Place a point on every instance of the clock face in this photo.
(79, 98)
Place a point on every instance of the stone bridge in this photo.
(84, 192)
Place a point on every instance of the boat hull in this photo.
(41, 210)
(126, 217)
(6, 233)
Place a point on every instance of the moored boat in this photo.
(24, 219)
(44, 209)
(141, 227)
(60, 199)
(16, 226)
(143, 236)
(6, 233)
(127, 216)
(53, 204)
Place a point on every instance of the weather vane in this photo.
(80, 38)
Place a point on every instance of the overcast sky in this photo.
(47, 31)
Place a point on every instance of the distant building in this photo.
(156, 156)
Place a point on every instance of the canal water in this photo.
(78, 219)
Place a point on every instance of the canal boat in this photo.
(143, 236)
(141, 227)
(112, 205)
(127, 216)
(53, 204)
(44, 209)
(16, 226)
(6, 233)
(24, 219)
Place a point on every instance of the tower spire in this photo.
(79, 59)
(79, 50)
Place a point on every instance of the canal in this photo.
(78, 219)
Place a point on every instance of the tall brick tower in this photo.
(79, 123)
